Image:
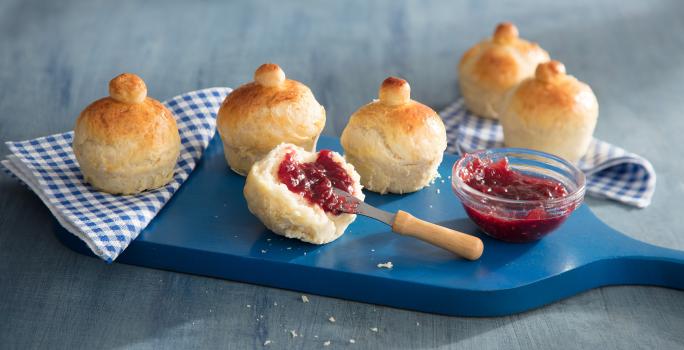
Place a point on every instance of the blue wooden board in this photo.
(206, 229)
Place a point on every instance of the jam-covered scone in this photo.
(552, 112)
(126, 143)
(395, 143)
(291, 191)
(258, 116)
(491, 67)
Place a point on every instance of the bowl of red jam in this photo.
(517, 195)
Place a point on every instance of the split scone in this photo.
(126, 143)
(552, 112)
(290, 191)
(258, 116)
(491, 67)
(395, 143)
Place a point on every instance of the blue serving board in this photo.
(206, 229)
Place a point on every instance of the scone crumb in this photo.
(267, 342)
(305, 299)
(275, 304)
(374, 329)
(352, 341)
(331, 319)
(387, 265)
(438, 191)
(263, 251)
(326, 343)
(293, 333)
(249, 306)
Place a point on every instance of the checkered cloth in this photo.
(108, 223)
(611, 171)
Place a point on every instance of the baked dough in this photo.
(491, 67)
(287, 213)
(258, 116)
(395, 143)
(551, 112)
(126, 143)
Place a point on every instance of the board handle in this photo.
(465, 245)
(646, 264)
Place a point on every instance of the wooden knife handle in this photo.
(467, 246)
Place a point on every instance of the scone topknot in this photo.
(395, 143)
(258, 116)
(126, 143)
(491, 67)
(285, 193)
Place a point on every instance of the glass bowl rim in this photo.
(460, 186)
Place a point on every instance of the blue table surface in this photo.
(56, 57)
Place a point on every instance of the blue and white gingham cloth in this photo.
(611, 171)
(108, 223)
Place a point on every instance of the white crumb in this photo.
(305, 299)
(438, 191)
(268, 239)
(275, 304)
(304, 253)
(374, 329)
(289, 248)
(387, 265)
(249, 306)
(430, 205)
(215, 216)
(263, 251)
(326, 343)
(293, 333)
(373, 250)
(331, 319)
(449, 177)
(418, 324)
(315, 336)
(267, 342)
(352, 341)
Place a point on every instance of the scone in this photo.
(395, 143)
(551, 112)
(491, 67)
(258, 116)
(290, 191)
(126, 143)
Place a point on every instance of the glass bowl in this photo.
(515, 220)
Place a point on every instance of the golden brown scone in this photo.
(126, 143)
(491, 67)
(395, 143)
(287, 213)
(551, 112)
(258, 116)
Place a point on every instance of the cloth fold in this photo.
(611, 171)
(108, 223)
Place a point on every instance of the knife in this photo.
(464, 245)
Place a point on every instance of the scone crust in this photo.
(395, 148)
(552, 112)
(126, 148)
(255, 118)
(491, 67)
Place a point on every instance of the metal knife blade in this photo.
(362, 208)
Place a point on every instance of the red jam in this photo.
(496, 178)
(315, 181)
